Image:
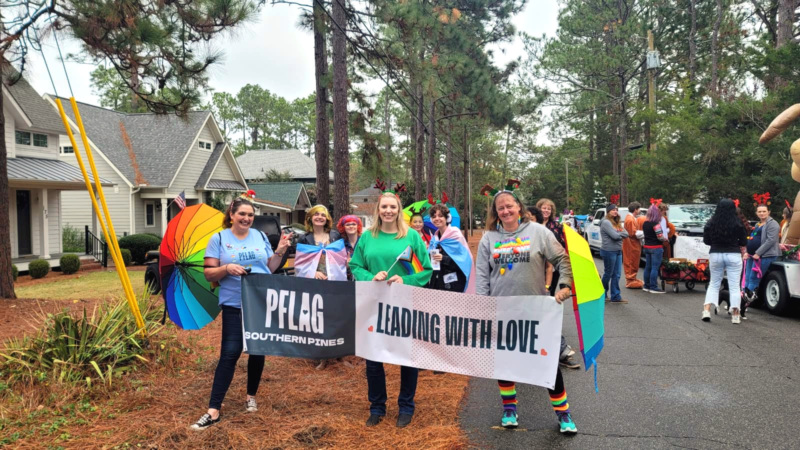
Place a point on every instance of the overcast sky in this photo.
(271, 51)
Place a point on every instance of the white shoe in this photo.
(645, 289)
(706, 316)
(736, 319)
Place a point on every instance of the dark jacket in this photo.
(448, 267)
(308, 238)
(725, 244)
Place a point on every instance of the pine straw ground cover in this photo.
(298, 406)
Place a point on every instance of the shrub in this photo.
(72, 240)
(126, 256)
(70, 263)
(139, 245)
(14, 272)
(103, 345)
(38, 268)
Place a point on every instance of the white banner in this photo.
(504, 338)
(691, 248)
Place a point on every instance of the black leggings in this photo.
(230, 351)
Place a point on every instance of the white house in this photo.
(37, 177)
(151, 159)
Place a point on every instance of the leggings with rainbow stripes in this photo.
(558, 395)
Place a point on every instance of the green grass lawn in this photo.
(99, 285)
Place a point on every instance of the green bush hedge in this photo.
(70, 263)
(126, 256)
(39, 268)
(72, 239)
(139, 245)
(14, 272)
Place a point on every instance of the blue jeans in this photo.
(376, 388)
(652, 266)
(612, 266)
(732, 264)
(752, 278)
(230, 351)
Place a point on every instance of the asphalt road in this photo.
(666, 380)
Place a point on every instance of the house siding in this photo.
(193, 166)
(12, 216)
(30, 151)
(53, 206)
(138, 214)
(224, 170)
(11, 143)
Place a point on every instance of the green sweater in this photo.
(374, 254)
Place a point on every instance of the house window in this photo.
(366, 200)
(67, 150)
(40, 140)
(204, 145)
(149, 214)
(23, 138)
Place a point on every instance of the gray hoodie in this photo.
(611, 239)
(769, 239)
(521, 255)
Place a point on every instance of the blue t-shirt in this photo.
(252, 251)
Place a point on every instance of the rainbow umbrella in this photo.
(191, 301)
(589, 299)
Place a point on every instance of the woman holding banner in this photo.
(233, 252)
(375, 259)
(508, 229)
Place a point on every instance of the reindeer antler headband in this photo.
(511, 186)
(762, 199)
(398, 188)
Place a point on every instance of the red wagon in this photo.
(685, 272)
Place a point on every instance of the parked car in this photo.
(269, 225)
(592, 234)
(689, 219)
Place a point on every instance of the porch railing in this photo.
(96, 247)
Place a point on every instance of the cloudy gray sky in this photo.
(271, 51)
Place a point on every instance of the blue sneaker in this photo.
(509, 419)
(566, 423)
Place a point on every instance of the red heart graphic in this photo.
(543, 352)
(370, 328)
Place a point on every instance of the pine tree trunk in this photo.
(6, 280)
(341, 161)
(323, 132)
(693, 44)
(623, 146)
(465, 214)
(419, 152)
(715, 55)
(786, 18)
(386, 126)
(449, 161)
(431, 147)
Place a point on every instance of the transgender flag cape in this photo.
(306, 260)
(453, 242)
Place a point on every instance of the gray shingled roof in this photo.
(372, 190)
(39, 111)
(255, 163)
(48, 170)
(158, 143)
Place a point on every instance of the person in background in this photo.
(417, 223)
(375, 253)
(654, 237)
(507, 223)
(762, 249)
(565, 357)
(726, 236)
(612, 234)
(451, 275)
(350, 228)
(319, 232)
(548, 209)
(787, 219)
(632, 248)
(669, 229)
(743, 218)
(232, 253)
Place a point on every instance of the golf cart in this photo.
(780, 284)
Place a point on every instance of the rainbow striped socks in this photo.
(508, 392)
(559, 402)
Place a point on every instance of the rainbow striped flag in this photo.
(410, 261)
